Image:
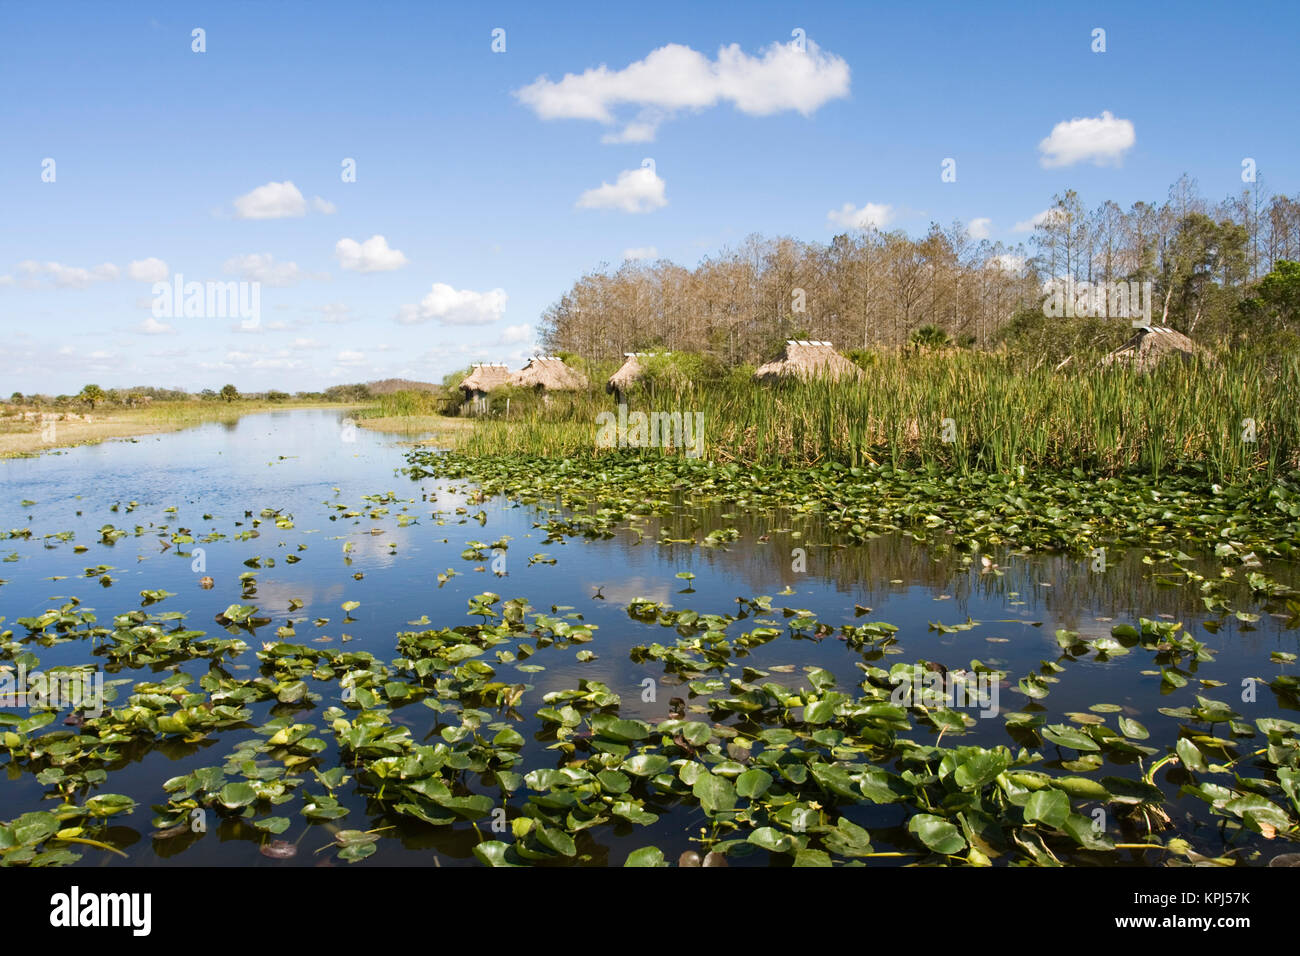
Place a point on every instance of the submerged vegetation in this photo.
(719, 743)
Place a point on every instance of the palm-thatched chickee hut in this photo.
(628, 374)
(548, 373)
(1150, 345)
(481, 380)
(806, 361)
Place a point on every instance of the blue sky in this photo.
(473, 165)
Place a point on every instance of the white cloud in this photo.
(979, 228)
(642, 131)
(301, 343)
(455, 307)
(675, 77)
(152, 326)
(68, 277)
(262, 267)
(373, 255)
(350, 359)
(6, 280)
(636, 190)
(1038, 219)
(272, 201)
(148, 270)
(641, 252)
(514, 334)
(1101, 140)
(872, 215)
(278, 201)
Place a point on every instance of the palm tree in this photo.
(229, 393)
(92, 394)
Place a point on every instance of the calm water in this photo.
(302, 463)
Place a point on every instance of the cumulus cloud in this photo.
(373, 255)
(323, 206)
(262, 267)
(350, 359)
(872, 215)
(277, 201)
(635, 190)
(1101, 140)
(783, 77)
(450, 306)
(147, 270)
(979, 228)
(152, 326)
(641, 252)
(67, 277)
(515, 334)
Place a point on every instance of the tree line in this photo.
(869, 288)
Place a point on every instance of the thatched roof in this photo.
(1152, 343)
(484, 378)
(629, 372)
(808, 360)
(550, 373)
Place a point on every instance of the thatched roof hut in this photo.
(1152, 343)
(483, 378)
(629, 373)
(550, 374)
(806, 361)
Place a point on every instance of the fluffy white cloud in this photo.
(675, 77)
(514, 334)
(272, 201)
(148, 270)
(872, 215)
(350, 359)
(1038, 219)
(152, 326)
(6, 280)
(635, 190)
(455, 307)
(641, 252)
(373, 255)
(278, 201)
(979, 228)
(68, 277)
(1101, 140)
(262, 267)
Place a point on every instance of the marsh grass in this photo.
(1102, 421)
(408, 402)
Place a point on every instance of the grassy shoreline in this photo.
(1232, 418)
(23, 438)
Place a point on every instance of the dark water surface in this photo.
(302, 463)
